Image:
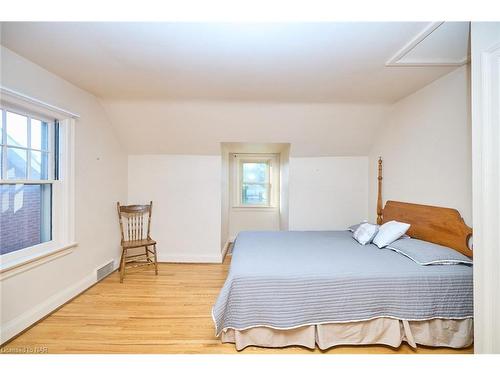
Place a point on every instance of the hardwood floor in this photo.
(169, 313)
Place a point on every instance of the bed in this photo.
(322, 288)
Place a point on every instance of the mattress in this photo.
(286, 280)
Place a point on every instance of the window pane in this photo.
(17, 130)
(255, 172)
(255, 194)
(39, 135)
(25, 218)
(16, 163)
(39, 165)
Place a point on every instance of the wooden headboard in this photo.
(444, 226)
(440, 225)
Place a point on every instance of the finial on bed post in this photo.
(379, 196)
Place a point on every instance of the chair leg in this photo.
(122, 265)
(146, 253)
(156, 260)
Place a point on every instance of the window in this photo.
(28, 172)
(257, 180)
(255, 185)
(37, 190)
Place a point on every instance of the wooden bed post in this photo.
(379, 195)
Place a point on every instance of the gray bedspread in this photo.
(290, 279)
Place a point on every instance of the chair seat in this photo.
(138, 243)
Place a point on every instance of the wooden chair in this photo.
(135, 225)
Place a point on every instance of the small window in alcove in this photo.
(256, 180)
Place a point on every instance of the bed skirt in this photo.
(385, 331)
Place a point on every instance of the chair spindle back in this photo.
(135, 221)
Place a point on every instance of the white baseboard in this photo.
(225, 250)
(194, 258)
(23, 321)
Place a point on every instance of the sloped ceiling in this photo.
(316, 129)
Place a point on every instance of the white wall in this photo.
(242, 219)
(284, 188)
(486, 184)
(199, 128)
(101, 170)
(225, 196)
(186, 195)
(426, 147)
(328, 193)
(325, 193)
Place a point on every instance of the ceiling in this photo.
(287, 62)
(440, 43)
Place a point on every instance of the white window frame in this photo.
(273, 161)
(63, 196)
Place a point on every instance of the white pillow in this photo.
(352, 228)
(390, 232)
(365, 233)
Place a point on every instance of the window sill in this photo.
(14, 267)
(255, 208)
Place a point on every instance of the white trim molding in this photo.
(414, 42)
(225, 249)
(486, 184)
(15, 97)
(23, 264)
